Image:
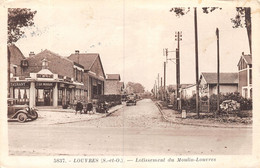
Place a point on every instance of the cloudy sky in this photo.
(130, 37)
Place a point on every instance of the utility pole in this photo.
(161, 82)
(155, 93)
(164, 82)
(178, 38)
(161, 96)
(158, 79)
(164, 85)
(197, 62)
(217, 33)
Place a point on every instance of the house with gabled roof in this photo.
(113, 85)
(228, 82)
(245, 76)
(94, 75)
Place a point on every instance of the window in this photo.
(22, 95)
(15, 68)
(82, 76)
(250, 76)
(44, 63)
(244, 93)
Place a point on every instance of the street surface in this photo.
(132, 130)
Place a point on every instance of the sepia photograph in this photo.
(129, 83)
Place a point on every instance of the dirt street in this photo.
(132, 130)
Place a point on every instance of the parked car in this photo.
(131, 100)
(20, 112)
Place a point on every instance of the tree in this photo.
(137, 87)
(243, 19)
(18, 18)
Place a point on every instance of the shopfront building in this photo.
(46, 89)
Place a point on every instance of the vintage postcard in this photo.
(128, 83)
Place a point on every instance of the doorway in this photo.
(47, 97)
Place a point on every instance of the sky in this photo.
(130, 37)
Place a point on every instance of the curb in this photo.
(103, 116)
(193, 124)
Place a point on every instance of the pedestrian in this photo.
(89, 107)
(79, 107)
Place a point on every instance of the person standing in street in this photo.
(79, 107)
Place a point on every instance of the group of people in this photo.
(81, 109)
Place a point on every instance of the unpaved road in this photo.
(132, 130)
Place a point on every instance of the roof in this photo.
(85, 59)
(224, 78)
(248, 59)
(15, 51)
(188, 86)
(48, 52)
(113, 76)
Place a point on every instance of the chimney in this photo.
(243, 53)
(76, 51)
(31, 54)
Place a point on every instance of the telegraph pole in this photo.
(158, 79)
(197, 62)
(164, 85)
(217, 33)
(178, 38)
(155, 92)
(164, 82)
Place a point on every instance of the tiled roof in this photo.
(113, 77)
(87, 60)
(248, 58)
(64, 68)
(224, 78)
(15, 51)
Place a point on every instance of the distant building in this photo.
(188, 91)
(245, 76)
(113, 84)
(208, 83)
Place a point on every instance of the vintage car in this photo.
(131, 100)
(20, 112)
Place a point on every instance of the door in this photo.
(47, 97)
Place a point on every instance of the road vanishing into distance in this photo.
(130, 131)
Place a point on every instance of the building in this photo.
(48, 79)
(43, 83)
(113, 85)
(94, 75)
(245, 76)
(208, 83)
(188, 91)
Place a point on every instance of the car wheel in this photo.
(35, 116)
(22, 117)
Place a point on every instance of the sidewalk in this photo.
(63, 116)
(176, 117)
